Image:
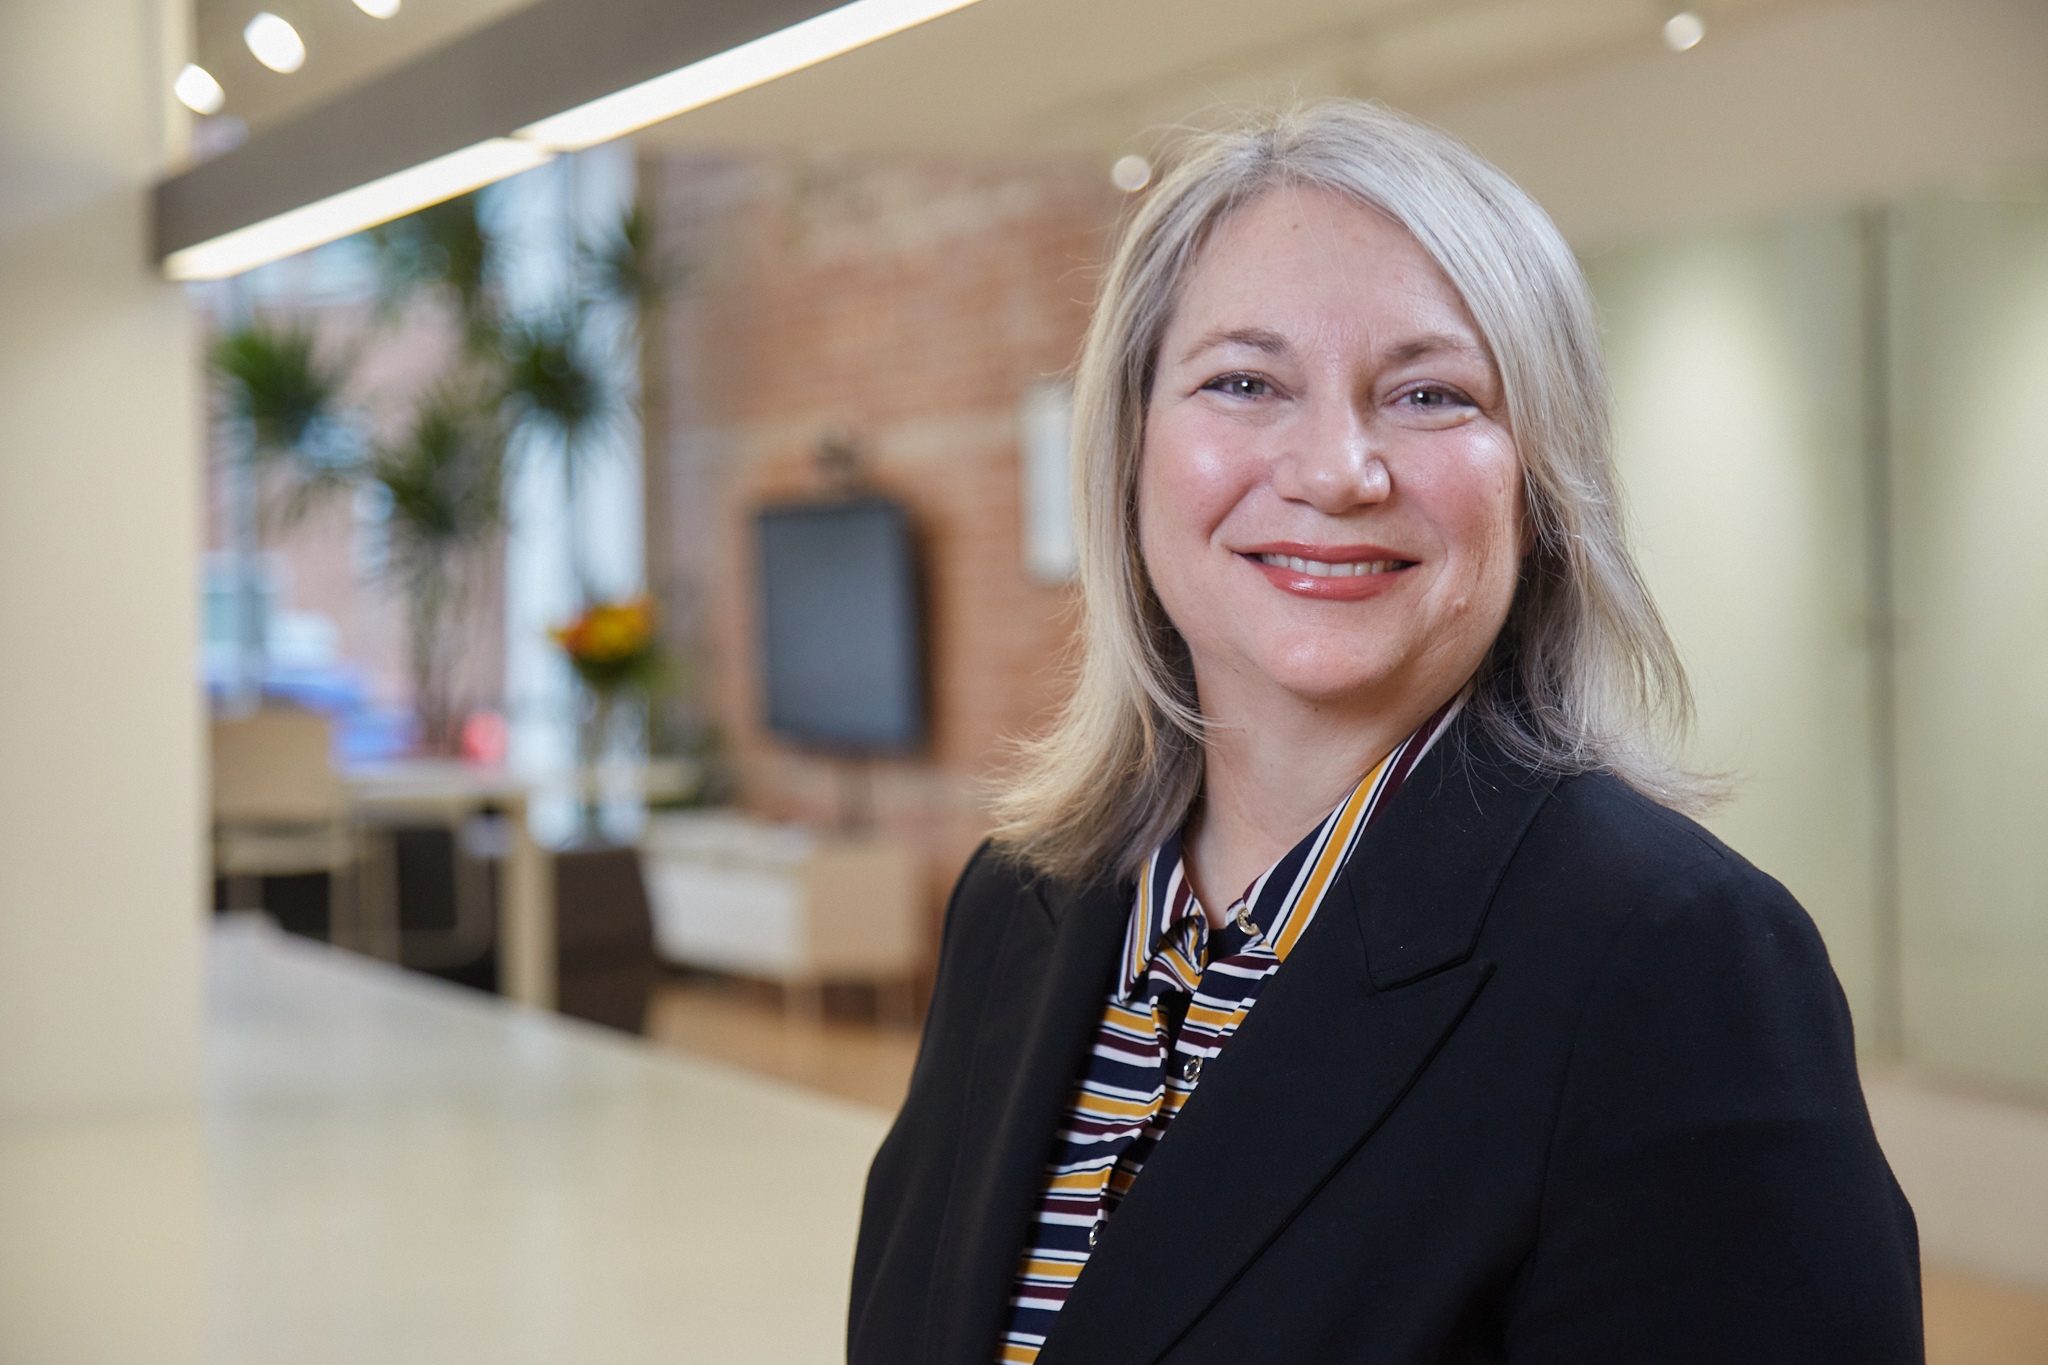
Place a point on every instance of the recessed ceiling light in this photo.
(1682, 31)
(378, 9)
(276, 43)
(198, 91)
(1131, 174)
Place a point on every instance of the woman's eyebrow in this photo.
(1269, 342)
(1258, 338)
(1433, 343)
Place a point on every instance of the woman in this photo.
(1372, 692)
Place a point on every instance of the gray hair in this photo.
(1583, 675)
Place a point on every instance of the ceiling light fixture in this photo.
(348, 211)
(198, 91)
(276, 43)
(1131, 173)
(338, 215)
(736, 69)
(1682, 31)
(378, 9)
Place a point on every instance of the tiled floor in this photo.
(1970, 1321)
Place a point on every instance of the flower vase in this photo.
(593, 739)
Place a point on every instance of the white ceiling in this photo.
(1105, 74)
(1033, 75)
(1114, 75)
(344, 47)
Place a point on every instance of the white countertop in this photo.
(392, 1170)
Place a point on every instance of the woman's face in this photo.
(1329, 502)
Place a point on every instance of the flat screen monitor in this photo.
(841, 638)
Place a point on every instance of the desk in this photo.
(449, 792)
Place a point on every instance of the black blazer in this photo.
(1554, 1077)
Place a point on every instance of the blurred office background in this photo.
(446, 913)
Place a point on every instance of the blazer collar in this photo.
(1388, 959)
(1054, 970)
(1424, 872)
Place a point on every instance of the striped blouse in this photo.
(1148, 1057)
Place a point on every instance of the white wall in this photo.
(1971, 395)
(1723, 174)
(1737, 365)
(1821, 106)
(100, 721)
(1739, 428)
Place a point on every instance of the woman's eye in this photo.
(1435, 399)
(1239, 386)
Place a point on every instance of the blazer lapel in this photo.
(1054, 970)
(1338, 1037)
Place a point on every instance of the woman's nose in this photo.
(1331, 461)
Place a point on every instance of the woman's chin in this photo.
(1349, 686)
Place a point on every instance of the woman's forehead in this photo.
(1303, 257)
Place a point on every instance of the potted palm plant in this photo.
(280, 400)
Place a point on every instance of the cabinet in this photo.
(783, 902)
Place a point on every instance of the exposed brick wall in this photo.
(908, 303)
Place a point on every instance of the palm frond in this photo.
(626, 263)
(275, 384)
(446, 247)
(444, 477)
(551, 379)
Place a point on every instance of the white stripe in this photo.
(1071, 1220)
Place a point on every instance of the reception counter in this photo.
(390, 1169)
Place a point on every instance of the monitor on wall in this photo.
(842, 645)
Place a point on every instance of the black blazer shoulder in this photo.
(1555, 1076)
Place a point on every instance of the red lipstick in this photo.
(1355, 585)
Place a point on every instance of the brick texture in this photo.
(907, 304)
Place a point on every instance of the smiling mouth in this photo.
(1317, 568)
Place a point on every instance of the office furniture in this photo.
(488, 807)
(279, 809)
(784, 903)
(604, 935)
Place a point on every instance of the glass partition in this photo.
(1969, 393)
(1737, 361)
(1833, 433)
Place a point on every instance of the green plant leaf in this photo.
(445, 478)
(275, 384)
(625, 264)
(550, 379)
(445, 247)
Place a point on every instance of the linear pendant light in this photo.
(338, 215)
(225, 250)
(736, 69)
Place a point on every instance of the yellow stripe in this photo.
(1185, 971)
(1137, 943)
(1068, 1271)
(1207, 1016)
(1139, 1021)
(1104, 1107)
(1326, 864)
(1018, 1355)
